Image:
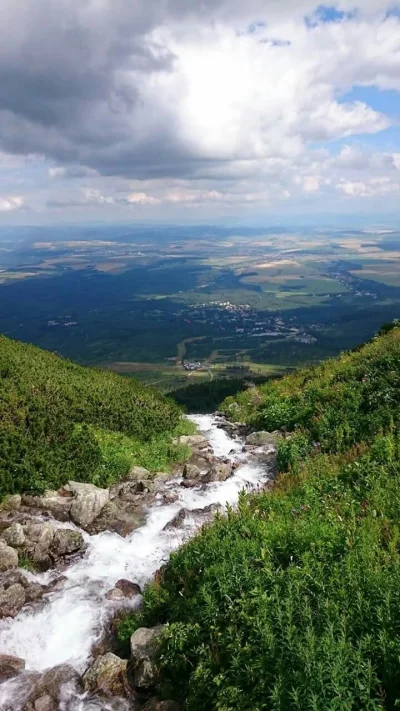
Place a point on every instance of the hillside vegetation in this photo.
(61, 421)
(292, 602)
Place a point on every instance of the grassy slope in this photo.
(60, 421)
(293, 601)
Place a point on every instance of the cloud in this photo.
(11, 203)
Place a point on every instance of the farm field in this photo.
(183, 305)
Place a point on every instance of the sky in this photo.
(198, 110)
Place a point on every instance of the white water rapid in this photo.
(64, 629)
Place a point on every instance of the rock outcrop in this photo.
(106, 676)
(87, 503)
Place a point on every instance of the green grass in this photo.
(292, 602)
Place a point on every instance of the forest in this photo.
(292, 601)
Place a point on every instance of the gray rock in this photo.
(39, 539)
(191, 471)
(143, 655)
(194, 441)
(45, 703)
(58, 506)
(14, 535)
(178, 520)
(170, 497)
(128, 588)
(65, 542)
(10, 666)
(115, 595)
(138, 473)
(11, 600)
(106, 675)
(34, 592)
(8, 557)
(262, 438)
(119, 516)
(218, 472)
(87, 504)
(52, 681)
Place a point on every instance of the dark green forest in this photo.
(61, 421)
(292, 602)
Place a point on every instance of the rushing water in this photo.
(64, 629)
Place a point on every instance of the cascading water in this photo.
(65, 628)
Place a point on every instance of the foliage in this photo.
(292, 602)
(60, 421)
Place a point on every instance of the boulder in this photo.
(115, 595)
(178, 520)
(39, 539)
(58, 506)
(65, 542)
(194, 441)
(138, 473)
(44, 703)
(52, 681)
(119, 516)
(170, 497)
(220, 471)
(8, 557)
(87, 504)
(106, 675)
(34, 591)
(262, 439)
(12, 599)
(128, 588)
(10, 666)
(14, 535)
(191, 471)
(143, 656)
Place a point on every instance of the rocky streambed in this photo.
(92, 551)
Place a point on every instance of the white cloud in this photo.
(11, 203)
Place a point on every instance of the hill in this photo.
(61, 421)
(292, 602)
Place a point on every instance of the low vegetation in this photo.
(292, 602)
(60, 421)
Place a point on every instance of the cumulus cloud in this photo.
(11, 203)
(215, 102)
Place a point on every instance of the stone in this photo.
(143, 654)
(138, 473)
(52, 681)
(8, 557)
(34, 591)
(10, 666)
(263, 438)
(194, 441)
(57, 584)
(170, 497)
(218, 472)
(106, 675)
(119, 516)
(87, 504)
(11, 503)
(11, 600)
(45, 703)
(115, 595)
(178, 520)
(65, 542)
(14, 535)
(58, 506)
(128, 588)
(39, 539)
(191, 471)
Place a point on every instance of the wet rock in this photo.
(143, 656)
(191, 471)
(52, 681)
(39, 537)
(261, 439)
(8, 557)
(44, 703)
(115, 595)
(170, 497)
(57, 584)
(34, 592)
(65, 542)
(218, 472)
(14, 535)
(11, 503)
(87, 504)
(128, 588)
(207, 510)
(155, 705)
(10, 666)
(12, 599)
(106, 675)
(177, 521)
(119, 516)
